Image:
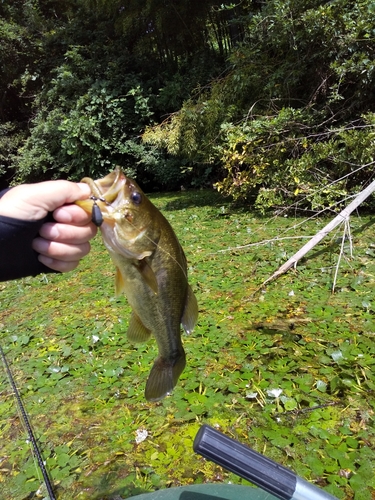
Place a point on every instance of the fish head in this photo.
(129, 218)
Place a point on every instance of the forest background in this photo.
(266, 100)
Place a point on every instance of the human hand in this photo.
(60, 244)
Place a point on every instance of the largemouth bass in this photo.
(151, 270)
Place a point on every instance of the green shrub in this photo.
(285, 160)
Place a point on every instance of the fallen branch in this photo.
(346, 235)
(342, 217)
(260, 243)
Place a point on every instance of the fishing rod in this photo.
(272, 477)
(30, 433)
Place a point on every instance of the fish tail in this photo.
(164, 376)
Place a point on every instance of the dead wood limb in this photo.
(342, 217)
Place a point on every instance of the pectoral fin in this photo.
(119, 283)
(190, 315)
(137, 332)
(147, 274)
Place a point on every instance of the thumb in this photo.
(34, 201)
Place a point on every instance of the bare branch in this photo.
(342, 217)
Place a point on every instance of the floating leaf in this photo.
(336, 356)
(321, 386)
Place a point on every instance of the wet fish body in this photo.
(151, 270)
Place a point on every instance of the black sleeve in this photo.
(17, 258)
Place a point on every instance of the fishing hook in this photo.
(96, 213)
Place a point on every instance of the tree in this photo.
(115, 71)
(294, 110)
(266, 100)
(27, 30)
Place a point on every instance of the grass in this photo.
(288, 370)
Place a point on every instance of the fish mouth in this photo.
(108, 188)
(106, 194)
(114, 201)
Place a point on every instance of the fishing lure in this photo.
(96, 213)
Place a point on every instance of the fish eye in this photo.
(136, 197)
